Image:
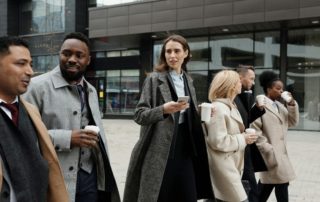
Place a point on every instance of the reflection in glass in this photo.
(267, 50)
(200, 82)
(122, 91)
(42, 16)
(113, 91)
(303, 76)
(231, 50)
(45, 63)
(129, 90)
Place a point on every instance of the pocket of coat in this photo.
(271, 160)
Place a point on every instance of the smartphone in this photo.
(183, 99)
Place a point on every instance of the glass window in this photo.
(129, 90)
(42, 16)
(267, 50)
(122, 91)
(303, 75)
(200, 82)
(111, 54)
(45, 63)
(100, 54)
(113, 91)
(130, 53)
(231, 50)
(98, 3)
(200, 54)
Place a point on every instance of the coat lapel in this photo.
(274, 111)
(234, 113)
(57, 190)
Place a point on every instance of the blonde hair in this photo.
(223, 85)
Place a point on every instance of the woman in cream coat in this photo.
(272, 130)
(226, 139)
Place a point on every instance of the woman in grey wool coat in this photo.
(169, 161)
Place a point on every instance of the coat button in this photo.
(70, 168)
(75, 113)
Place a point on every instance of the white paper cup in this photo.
(285, 95)
(250, 131)
(260, 99)
(92, 128)
(206, 111)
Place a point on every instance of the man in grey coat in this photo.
(68, 103)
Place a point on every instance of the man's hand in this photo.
(84, 138)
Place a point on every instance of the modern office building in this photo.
(278, 35)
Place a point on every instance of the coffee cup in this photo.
(252, 134)
(93, 128)
(206, 109)
(250, 131)
(286, 96)
(260, 99)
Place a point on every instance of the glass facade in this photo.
(122, 90)
(303, 74)
(45, 63)
(262, 49)
(42, 16)
(99, 3)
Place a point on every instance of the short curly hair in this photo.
(267, 79)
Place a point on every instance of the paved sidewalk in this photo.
(303, 148)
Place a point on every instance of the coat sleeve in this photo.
(255, 113)
(35, 95)
(147, 111)
(265, 148)
(293, 118)
(218, 137)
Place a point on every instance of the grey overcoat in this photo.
(60, 109)
(150, 154)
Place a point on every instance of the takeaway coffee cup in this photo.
(252, 133)
(260, 99)
(206, 111)
(285, 95)
(93, 128)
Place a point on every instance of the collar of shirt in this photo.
(175, 76)
(7, 111)
(14, 101)
(273, 103)
(81, 82)
(178, 83)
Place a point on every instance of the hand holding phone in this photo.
(183, 99)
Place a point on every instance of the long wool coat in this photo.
(150, 154)
(60, 109)
(226, 146)
(57, 191)
(272, 129)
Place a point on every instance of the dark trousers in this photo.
(248, 177)
(87, 190)
(179, 183)
(281, 191)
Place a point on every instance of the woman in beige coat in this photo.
(272, 130)
(226, 139)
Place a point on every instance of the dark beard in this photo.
(71, 77)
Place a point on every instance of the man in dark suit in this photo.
(29, 167)
(248, 112)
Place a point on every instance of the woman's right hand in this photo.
(173, 107)
(250, 137)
